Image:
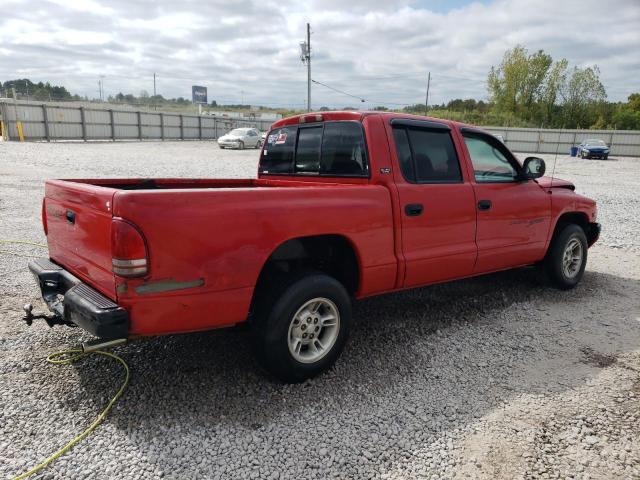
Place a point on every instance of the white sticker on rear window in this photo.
(282, 138)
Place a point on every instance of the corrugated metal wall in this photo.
(536, 140)
(63, 122)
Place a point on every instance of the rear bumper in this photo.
(81, 304)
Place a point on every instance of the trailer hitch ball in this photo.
(28, 316)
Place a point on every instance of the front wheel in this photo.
(567, 257)
(240, 145)
(304, 330)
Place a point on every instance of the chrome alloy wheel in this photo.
(314, 330)
(572, 258)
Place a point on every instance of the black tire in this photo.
(606, 157)
(241, 145)
(554, 260)
(275, 312)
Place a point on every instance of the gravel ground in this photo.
(492, 377)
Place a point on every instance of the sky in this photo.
(248, 51)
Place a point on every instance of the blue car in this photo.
(593, 148)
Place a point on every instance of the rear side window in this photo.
(329, 149)
(427, 156)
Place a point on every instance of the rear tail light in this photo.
(128, 250)
(45, 227)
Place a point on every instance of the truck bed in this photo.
(208, 239)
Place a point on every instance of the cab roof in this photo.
(313, 117)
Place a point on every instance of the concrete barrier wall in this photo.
(63, 122)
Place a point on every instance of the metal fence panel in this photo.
(71, 122)
(536, 140)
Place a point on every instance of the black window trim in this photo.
(293, 173)
(406, 125)
(498, 145)
(428, 124)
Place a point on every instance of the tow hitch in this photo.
(51, 319)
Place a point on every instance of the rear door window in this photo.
(427, 156)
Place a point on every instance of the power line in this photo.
(336, 90)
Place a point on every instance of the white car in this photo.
(240, 138)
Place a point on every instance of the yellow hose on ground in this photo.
(21, 242)
(24, 242)
(68, 357)
(16, 254)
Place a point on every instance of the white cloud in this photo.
(378, 50)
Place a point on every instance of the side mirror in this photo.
(533, 167)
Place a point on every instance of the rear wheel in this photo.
(567, 257)
(301, 326)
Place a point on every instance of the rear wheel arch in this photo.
(332, 254)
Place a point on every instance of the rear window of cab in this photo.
(334, 149)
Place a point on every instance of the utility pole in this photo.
(308, 67)
(101, 84)
(305, 56)
(426, 100)
(154, 91)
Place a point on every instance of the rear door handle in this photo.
(413, 209)
(484, 205)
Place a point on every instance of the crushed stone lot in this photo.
(496, 377)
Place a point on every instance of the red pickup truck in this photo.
(346, 205)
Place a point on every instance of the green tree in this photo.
(634, 102)
(583, 96)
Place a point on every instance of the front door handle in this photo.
(484, 205)
(413, 209)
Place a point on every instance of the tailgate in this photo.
(79, 231)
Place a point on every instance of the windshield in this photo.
(238, 132)
(595, 143)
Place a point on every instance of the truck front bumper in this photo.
(75, 302)
(593, 233)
